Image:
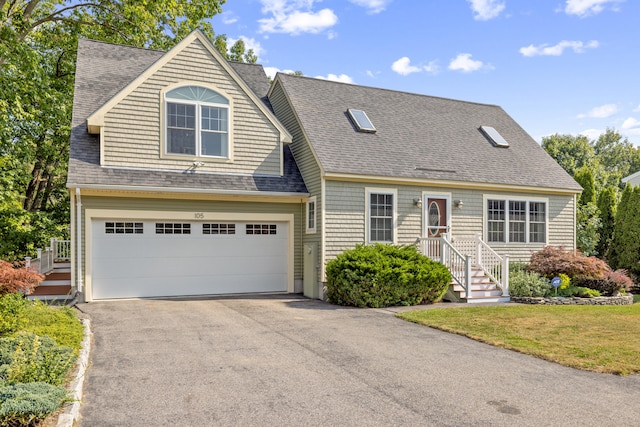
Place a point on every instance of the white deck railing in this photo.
(441, 250)
(59, 250)
(496, 267)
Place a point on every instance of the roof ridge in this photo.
(391, 90)
(85, 39)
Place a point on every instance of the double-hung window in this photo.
(381, 216)
(516, 221)
(197, 122)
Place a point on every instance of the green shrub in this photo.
(526, 284)
(12, 309)
(552, 261)
(612, 283)
(25, 404)
(384, 275)
(27, 357)
(60, 323)
(578, 291)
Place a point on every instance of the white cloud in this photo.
(373, 6)
(584, 8)
(631, 124)
(558, 49)
(486, 9)
(601, 112)
(432, 67)
(592, 134)
(637, 109)
(249, 43)
(464, 63)
(295, 17)
(403, 66)
(229, 18)
(272, 71)
(336, 78)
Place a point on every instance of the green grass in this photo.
(59, 323)
(595, 338)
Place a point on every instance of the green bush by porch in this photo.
(382, 275)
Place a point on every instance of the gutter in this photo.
(185, 190)
(78, 241)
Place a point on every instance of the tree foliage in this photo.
(598, 166)
(607, 207)
(624, 251)
(38, 40)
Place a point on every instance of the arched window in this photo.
(197, 122)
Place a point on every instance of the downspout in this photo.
(78, 241)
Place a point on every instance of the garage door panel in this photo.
(150, 264)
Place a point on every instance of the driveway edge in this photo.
(72, 411)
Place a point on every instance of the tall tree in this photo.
(571, 152)
(607, 207)
(624, 251)
(584, 177)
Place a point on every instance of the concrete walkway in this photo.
(289, 361)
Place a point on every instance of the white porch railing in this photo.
(441, 250)
(59, 250)
(496, 267)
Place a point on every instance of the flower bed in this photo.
(617, 300)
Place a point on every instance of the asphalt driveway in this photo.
(289, 361)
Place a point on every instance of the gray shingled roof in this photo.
(103, 70)
(417, 136)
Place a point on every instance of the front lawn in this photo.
(595, 338)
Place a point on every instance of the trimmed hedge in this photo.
(382, 275)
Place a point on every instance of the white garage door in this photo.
(150, 258)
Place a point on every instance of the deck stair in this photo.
(56, 286)
(483, 289)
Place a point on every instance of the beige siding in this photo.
(306, 162)
(345, 216)
(127, 203)
(132, 128)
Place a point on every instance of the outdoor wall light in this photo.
(417, 203)
(458, 203)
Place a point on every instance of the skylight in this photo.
(494, 136)
(361, 120)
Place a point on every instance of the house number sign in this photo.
(198, 215)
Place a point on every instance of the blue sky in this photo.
(556, 66)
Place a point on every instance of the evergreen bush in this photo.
(26, 404)
(12, 308)
(382, 275)
(27, 357)
(528, 284)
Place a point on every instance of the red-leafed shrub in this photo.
(16, 278)
(552, 261)
(612, 283)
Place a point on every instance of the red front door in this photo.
(436, 217)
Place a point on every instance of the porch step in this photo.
(56, 286)
(483, 289)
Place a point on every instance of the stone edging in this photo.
(72, 411)
(619, 300)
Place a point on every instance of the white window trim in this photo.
(513, 198)
(311, 230)
(367, 194)
(163, 123)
